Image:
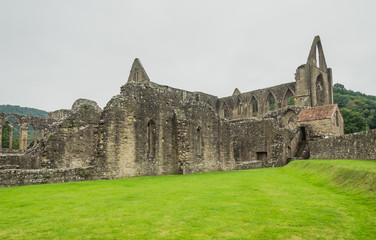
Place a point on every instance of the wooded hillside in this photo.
(358, 109)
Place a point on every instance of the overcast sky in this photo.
(54, 52)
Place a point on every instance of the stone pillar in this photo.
(23, 137)
(10, 136)
(182, 144)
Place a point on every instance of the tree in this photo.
(5, 136)
(353, 121)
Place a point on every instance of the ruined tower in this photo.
(314, 79)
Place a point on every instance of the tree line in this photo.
(358, 109)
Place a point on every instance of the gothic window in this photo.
(254, 105)
(226, 112)
(198, 142)
(135, 76)
(151, 139)
(270, 102)
(239, 107)
(320, 93)
(289, 98)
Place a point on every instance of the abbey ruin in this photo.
(149, 129)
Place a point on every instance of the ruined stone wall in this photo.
(15, 160)
(19, 177)
(153, 130)
(240, 105)
(59, 114)
(360, 145)
(259, 143)
(73, 142)
(203, 139)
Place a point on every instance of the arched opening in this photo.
(15, 137)
(10, 138)
(317, 60)
(320, 91)
(30, 135)
(135, 76)
(198, 143)
(254, 105)
(5, 135)
(270, 103)
(226, 111)
(288, 99)
(151, 139)
(238, 108)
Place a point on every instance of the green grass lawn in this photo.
(314, 199)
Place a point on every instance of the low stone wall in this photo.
(17, 160)
(360, 145)
(18, 177)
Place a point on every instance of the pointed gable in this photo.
(138, 73)
(236, 92)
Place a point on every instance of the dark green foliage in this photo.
(5, 137)
(353, 121)
(13, 109)
(358, 109)
(291, 101)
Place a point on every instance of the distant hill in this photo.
(358, 109)
(14, 109)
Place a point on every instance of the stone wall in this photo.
(16, 160)
(153, 130)
(18, 177)
(259, 142)
(360, 145)
(72, 144)
(240, 105)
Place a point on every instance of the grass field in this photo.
(314, 199)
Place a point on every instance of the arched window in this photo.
(198, 143)
(320, 91)
(226, 111)
(135, 76)
(238, 107)
(270, 102)
(31, 134)
(254, 105)
(6, 132)
(151, 139)
(288, 100)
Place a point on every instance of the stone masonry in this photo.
(150, 129)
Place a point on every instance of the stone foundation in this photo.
(18, 177)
